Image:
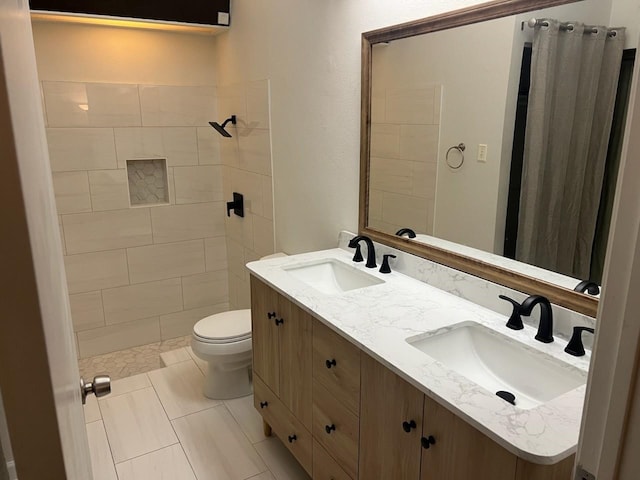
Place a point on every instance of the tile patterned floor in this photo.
(159, 426)
(132, 361)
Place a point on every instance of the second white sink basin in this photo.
(499, 363)
(331, 276)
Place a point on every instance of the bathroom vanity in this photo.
(342, 378)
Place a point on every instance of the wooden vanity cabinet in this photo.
(405, 434)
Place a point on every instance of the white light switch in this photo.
(482, 152)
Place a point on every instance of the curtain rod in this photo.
(568, 27)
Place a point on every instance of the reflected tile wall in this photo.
(246, 160)
(126, 265)
(405, 134)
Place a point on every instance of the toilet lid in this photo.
(224, 327)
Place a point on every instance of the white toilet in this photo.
(223, 341)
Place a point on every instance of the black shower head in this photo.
(220, 128)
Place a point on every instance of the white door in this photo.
(39, 375)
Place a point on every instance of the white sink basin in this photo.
(499, 363)
(331, 276)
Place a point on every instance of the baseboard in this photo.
(11, 468)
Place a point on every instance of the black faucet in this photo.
(371, 253)
(575, 346)
(545, 327)
(406, 231)
(588, 286)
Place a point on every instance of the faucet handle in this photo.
(357, 257)
(575, 346)
(515, 320)
(385, 268)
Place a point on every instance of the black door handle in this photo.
(264, 404)
(408, 426)
(329, 428)
(279, 321)
(271, 315)
(426, 442)
(292, 438)
(330, 363)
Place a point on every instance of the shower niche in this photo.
(147, 179)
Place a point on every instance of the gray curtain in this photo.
(574, 77)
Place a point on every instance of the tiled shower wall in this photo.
(405, 130)
(137, 275)
(247, 169)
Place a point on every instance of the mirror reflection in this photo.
(501, 140)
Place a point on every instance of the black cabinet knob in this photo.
(271, 315)
(292, 438)
(279, 321)
(330, 363)
(264, 404)
(408, 426)
(329, 428)
(426, 442)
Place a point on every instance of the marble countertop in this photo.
(380, 318)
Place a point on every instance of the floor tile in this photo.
(202, 365)
(174, 356)
(179, 388)
(101, 460)
(263, 476)
(216, 447)
(91, 410)
(280, 461)
(136, 424)
(127, 385)
(247, 417)
(167, 464)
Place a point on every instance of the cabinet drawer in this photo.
(325, 467)
(284, 424)
(336, 429)
(336, 366)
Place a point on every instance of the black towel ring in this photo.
(460, 148)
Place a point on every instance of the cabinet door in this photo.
(460, 452)
(264, 334)
(295, 360)
(388, 406)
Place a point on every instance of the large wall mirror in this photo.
(491, 139)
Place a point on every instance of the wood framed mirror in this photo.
(380, 48)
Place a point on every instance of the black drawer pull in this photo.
(271, 315)
(426, 442)
(329, 428)
(408, 426)
(330, 363)
(292, 438)
(264, 404)
(279, 321)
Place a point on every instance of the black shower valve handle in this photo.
(237, 205)
(515, 320)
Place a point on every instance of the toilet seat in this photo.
(224, 328)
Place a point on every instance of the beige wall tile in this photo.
(71, 104)
(205, 289)
(208, 146)
(198, 184)
(391, 175)
(378, 105)
(94, 271)
(375, 205)
(187, 222)
(177, 144)
(385, 140)
(109, 190)
(144, 300)
(177, 106)
(424, 180)
(232, 100)
(258, 104)
(86, 310)
(88, 232)
(215, 250)
(61, 228)
(81, 149)
(405, 210)
(263, 241)
(419, 142)
(181, 323)
(240, 229)
(235, 254)
(158, 262)
(72, 192)
(118, 337)
(410, 105)
(267, 197)
(254, 151)
(239, 290)
(229, 151)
